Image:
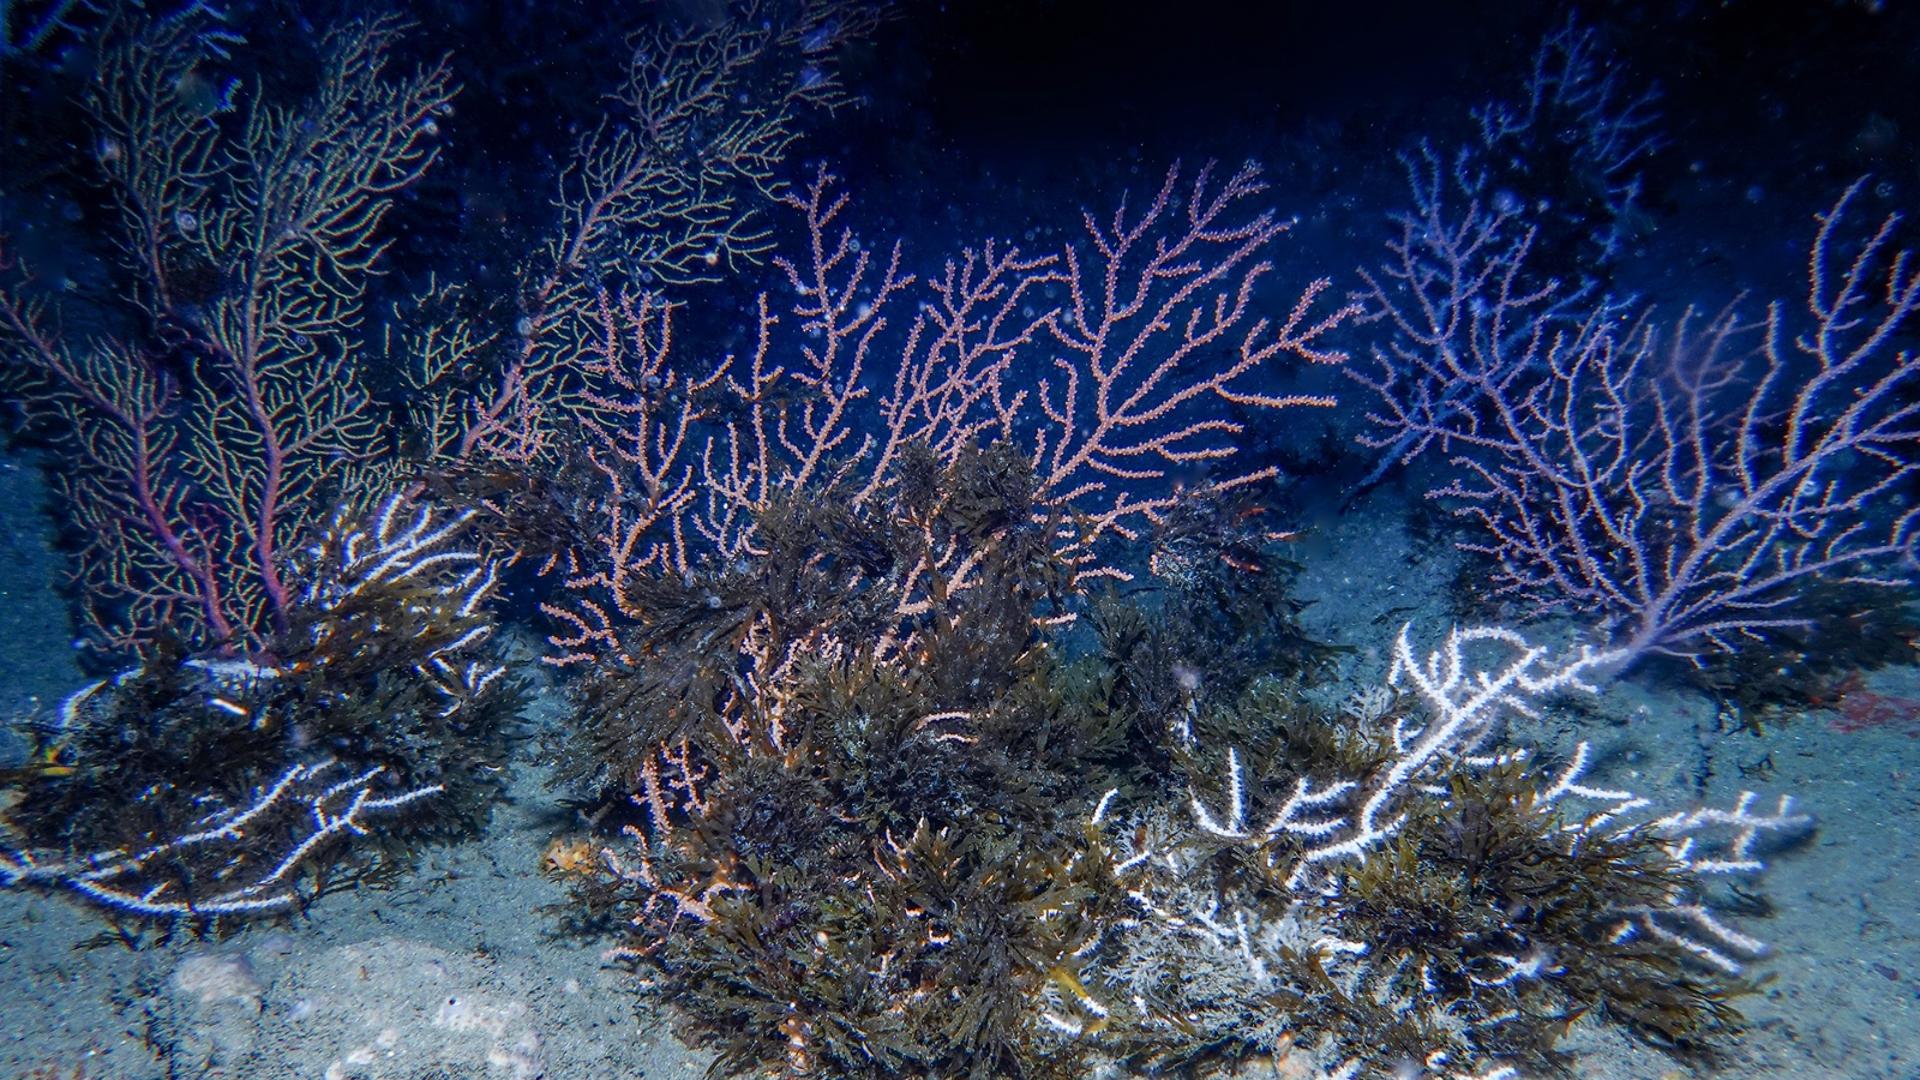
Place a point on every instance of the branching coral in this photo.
(848, 854)
(672, 188)
(209, 426)
(1415, 897)
(205, 788)
(820, 617)
(905, 884)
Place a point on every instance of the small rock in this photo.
(218, 978)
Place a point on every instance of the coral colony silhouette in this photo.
(930, 676)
